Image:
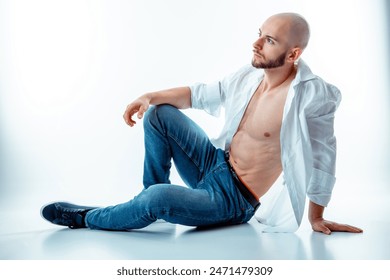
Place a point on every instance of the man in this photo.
(279, 119)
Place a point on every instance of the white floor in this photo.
(25, 236)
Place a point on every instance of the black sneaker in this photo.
(66, 214)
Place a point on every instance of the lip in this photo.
(257, 54)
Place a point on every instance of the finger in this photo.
(141, 112)
(326, 230)
(346, 228)
(128, 117)
(322, 228)
(352, 229)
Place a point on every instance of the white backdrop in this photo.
(69, 68)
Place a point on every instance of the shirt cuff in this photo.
(206, 97)
(320, 187)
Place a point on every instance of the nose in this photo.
(258, 44)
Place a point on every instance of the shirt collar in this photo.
(303, 74)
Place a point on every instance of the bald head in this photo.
(297, 28)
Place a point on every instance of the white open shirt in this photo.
(308, 144)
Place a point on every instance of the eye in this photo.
(270, 41)
(259, 34)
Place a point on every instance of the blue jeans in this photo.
(210, 197)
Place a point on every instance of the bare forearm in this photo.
(316, 212)
(179, 97)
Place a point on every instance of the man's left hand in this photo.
(327, 227)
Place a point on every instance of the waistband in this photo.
(241, 186)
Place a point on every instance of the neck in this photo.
(276, 77)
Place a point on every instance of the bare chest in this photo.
(262, 119)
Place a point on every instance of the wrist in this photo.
(314, 220)
(315, 212)
(148, 97)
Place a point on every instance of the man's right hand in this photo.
(139, 106)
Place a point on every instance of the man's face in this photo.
(270, 49)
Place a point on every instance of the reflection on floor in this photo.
(24, 235)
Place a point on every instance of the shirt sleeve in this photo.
(207, 97)
(323, 142)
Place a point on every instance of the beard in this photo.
(274, 63)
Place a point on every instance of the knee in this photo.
(158, 195)
(158, 114)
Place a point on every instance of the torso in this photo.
(255, 148)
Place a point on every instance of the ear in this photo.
(294, 54)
